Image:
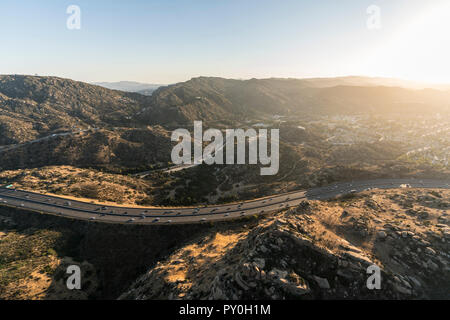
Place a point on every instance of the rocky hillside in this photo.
(30, 268)
(35, 250)
(47, 121)
(34, 106)
(87, 184)
(210, 98)
(320, 250)
(125, 148)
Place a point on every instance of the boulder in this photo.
(322, 282)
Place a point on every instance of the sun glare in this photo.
(420, 50)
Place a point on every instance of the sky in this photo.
(168, 41)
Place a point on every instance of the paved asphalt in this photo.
(110, 214)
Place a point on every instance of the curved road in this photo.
(111, 214)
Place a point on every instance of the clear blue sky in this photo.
(166, 41)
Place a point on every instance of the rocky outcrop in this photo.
(277, 261)
(315, 251)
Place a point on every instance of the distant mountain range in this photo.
(372, 81)
(148, 89)
(130, 86)
(32, 106)
(129, 128)
(209, 98)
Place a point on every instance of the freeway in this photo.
(181, 215)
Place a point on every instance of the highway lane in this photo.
(112, 214)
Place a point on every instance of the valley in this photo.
(363, 178)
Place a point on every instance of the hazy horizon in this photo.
(277, 77)
(406, 83)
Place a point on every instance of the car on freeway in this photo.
(131, 220)
(156, 220)
(203, 219)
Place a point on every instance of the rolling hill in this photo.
(31, 107)
(206, 98)
(34, 106)
(109, 127)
